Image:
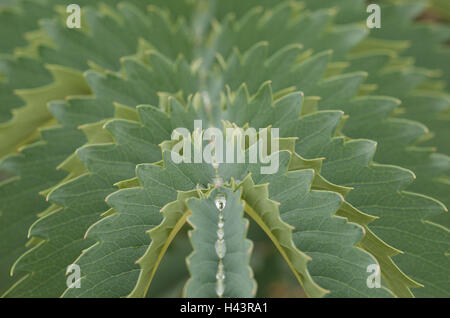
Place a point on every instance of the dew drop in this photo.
(220, 248)
(220, 288)
(220, 202)
(221, 224)
(220, 233)
(220, 276)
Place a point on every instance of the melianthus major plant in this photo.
(87, 116)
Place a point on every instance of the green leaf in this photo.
(22, 128)
(19, 18)
(211, 273)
